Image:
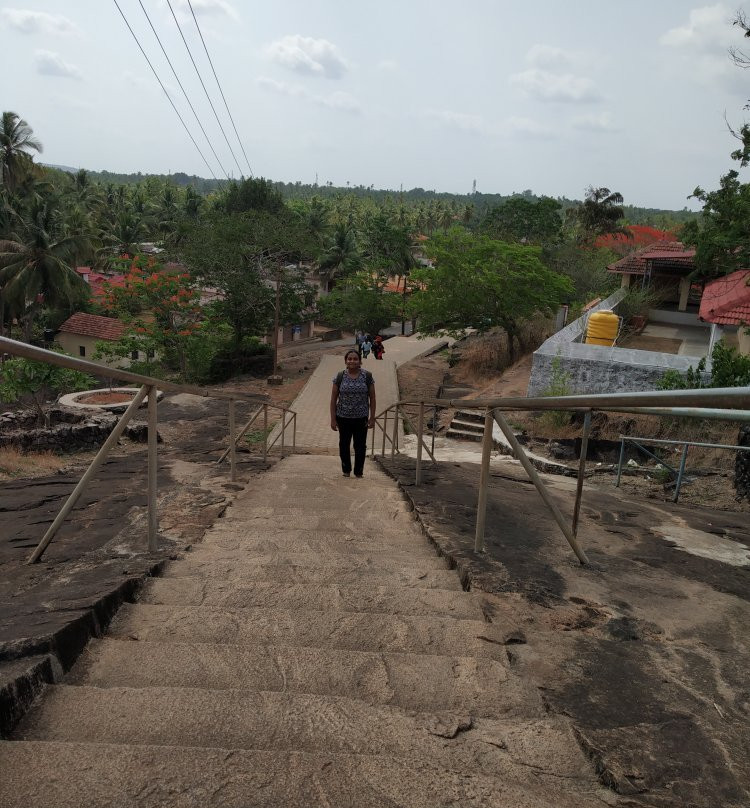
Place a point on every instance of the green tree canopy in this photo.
(525, 221)
(482, 283)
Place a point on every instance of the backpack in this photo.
(368, 378)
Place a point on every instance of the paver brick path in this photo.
(312, 651)
(312, 404)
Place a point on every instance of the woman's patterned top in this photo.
(353, 400)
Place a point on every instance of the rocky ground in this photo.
(645, 649)
(98, 558)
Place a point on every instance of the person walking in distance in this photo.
(378, 348)
(353, 412)
(366, 348)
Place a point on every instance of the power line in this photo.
(177, 23)
(218, 84)
(156, 75)
(174, 72)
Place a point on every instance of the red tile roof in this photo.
(726, 301)
(93, 325)
(636, 263)
(96, 280)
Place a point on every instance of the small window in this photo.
(149, 354)
(134, 355)
(82, 350)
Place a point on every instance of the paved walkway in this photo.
(312, 651)
(312, 404)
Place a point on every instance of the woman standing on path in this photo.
(353, 412)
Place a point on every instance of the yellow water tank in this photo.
(602, 328)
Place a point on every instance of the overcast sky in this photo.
(552, 96)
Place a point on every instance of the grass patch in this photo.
(15, 464)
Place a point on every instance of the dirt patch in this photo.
(645, 343)
(644, 651)
(108, 397)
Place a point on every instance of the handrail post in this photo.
(484, 478)
(394, 434)
(283, 430)
(420, 427)
(153, 470)
(101, 456)
(232, 447)
(619, 462)
(581, 469)
(540, 487)
(385, 427)
(294, 433)
(678, 484)
(265, 433)
(434, 429)
(372, 442)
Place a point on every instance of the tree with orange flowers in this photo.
(162, 309)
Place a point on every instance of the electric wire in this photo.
(179, 28)
(177, 78)
(218, 84)
(169, 98)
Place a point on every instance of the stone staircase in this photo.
(310, 652)
(466, 425)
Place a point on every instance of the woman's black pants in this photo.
(355, 428)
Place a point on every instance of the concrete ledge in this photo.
(28, 663)
(21, 681)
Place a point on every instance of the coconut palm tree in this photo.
(35, 265)
(341, 256)
(16, 141)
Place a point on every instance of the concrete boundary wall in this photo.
(596, 368)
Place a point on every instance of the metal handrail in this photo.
(726, 403)
(148, 388)
(679, 474)
(27, 351)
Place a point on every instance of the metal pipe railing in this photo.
(726, 403)
(149, 386)
(27, 351)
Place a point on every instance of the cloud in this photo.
(313, 57)
(595, 123)
(52, 64)
(547, 56)
(214, 8)
(700, 46)
(341, 101)
(563, 87)
(706, 28)
(459, 120)
(528, 127)
(37, 22)
(281, 87)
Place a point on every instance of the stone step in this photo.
(483, 687)
(366, 558)
(360, 597)
(301, 569)
(468, 426)
(73, 775)
(287, 722)
(462, 434)
(372, 523)
(470, 416)
(304, 627)
(406, 546)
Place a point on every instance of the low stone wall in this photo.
(597, 368)
(68, 431)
